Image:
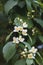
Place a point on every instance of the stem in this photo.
(30, 38)
(7, 38)
(37, 62)
(39, 55)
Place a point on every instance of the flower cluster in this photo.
(21, 30)
(18, 39)
(29, 53)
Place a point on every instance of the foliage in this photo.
(16, 13)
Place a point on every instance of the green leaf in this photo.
(40, 3)
(29, 61)
(33, 41)
(21, 4)
(29, 47)
(30, 38)
(38, 61)
(28, 3)
(10, 4)
(9, 50)
(20, 62)
(21, 45)
(40, 56)
(41, 38)
(39, 21)
(15, 58)
(30, 24)
(7, 38)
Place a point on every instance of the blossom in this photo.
(21, 39)
(21, 20)
(22, 53)
(32, 16)
(24, 32)
(25, 50)
(16, 29)
(33, 50)
(20, 28)
(15, 40)
(30, 56)
(25, 25)
(33, 10)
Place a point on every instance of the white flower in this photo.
(16, 29)
(33, 10)
(15, 40)
(25, 50)
(24, 32)
(21, 20)
(33, 50)
(21, 39)
(30, 56)
(33, 30)
(20, 28)
(25, 25)
(32, 16)
(22, 53)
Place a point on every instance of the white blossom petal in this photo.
(21, 39)
(25, 50)
(25, 25)
(16, 29)
(22, 53)
(20, 28)
(21, 20)
(33, 50)
(24, 32)
(15, 40)
(30, 56)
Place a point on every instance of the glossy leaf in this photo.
(29, 47)
(21, 4)
(7, 38)
(30, 23)
(39, 21)
(9, 50)
(41, 38)
(33, 41)
(20, 62)
(29, 61)
(28, 3)
(10, 4)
